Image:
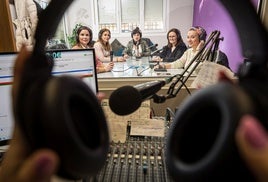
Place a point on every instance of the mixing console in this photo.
(138, 159)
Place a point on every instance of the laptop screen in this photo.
(80, 63)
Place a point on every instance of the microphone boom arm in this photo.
(202, 55)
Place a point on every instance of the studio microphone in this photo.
(152, 46)
(111, 56)
(127, 99)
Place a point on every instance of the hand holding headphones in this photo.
(60, 113)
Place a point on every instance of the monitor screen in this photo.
(80, 63)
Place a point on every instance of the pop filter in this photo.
(60, 113)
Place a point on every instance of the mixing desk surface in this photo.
(140, 155)
(139, 159)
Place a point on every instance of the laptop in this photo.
(79, 62)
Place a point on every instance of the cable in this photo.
(139, 73)
(169, 114)
(121, 70)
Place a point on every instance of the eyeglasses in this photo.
(171, 36)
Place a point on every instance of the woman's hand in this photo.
(121, 59)
(252, 141)
(108, 67)
(157, 58)
(125, 56)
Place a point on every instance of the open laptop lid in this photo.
(6, 115)
(80, 62)
(76, 62)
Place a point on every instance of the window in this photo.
(124, 15)
(60, 34)
(43, 3)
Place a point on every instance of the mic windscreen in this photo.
(125, 100)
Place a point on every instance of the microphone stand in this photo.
(202, 55)
(214, 50)
(156, 51)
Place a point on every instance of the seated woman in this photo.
(195, 39)
(83, 38)
(84, 41)
(103, 48)
(136, 47)
(174, 49)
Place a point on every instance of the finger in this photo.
(40, 166)
(252, 140)
(14, 156)
(100, 96)
(224, 77)
(17, 149)
(23, 56)
(17, 146)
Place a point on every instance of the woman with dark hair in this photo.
(83, 38)
(194, 43)
(174, 49)
(136, 47)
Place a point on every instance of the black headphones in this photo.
(203, 34)
(61, 113)
(201, 143)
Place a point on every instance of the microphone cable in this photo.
(121, 70)
(139, 73)
(169, 113)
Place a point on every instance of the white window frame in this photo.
(118, 30)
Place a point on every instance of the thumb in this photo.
(252, 141)
(40, 166)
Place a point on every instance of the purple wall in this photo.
(212, 15)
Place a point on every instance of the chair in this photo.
(150, 43)
(117, 48)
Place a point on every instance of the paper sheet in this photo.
(148, 127)
(209, 74)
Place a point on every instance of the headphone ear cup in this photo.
(71, 104)
(73, 124)
(201, 143)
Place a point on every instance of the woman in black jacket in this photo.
(174, 49)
